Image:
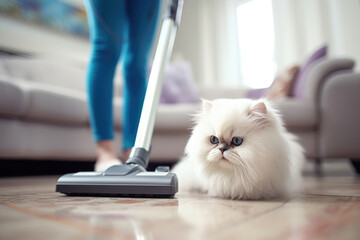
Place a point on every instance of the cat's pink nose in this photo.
(223, 147)
(223, 150)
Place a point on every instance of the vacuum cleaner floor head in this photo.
(119, 181)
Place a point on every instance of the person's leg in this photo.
(142, 21)
(106, 22)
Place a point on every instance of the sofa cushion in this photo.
(13, 98)
(174, 117)
(179, 117)
(39, 101)
(44, 71)
(57, 104)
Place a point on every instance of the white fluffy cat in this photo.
(239, 149)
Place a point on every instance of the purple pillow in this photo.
(178, 85)
(256, 93)
(298, 86)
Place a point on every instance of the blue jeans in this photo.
(126, 29)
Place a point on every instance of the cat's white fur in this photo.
(266, 165)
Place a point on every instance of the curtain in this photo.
(299, 29)
(219, 49)
(302, 26)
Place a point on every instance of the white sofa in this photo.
(43, 113)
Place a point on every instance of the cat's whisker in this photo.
(252, 181)
(246, 170)
(207, 165)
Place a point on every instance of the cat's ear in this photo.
(207, 105)
(258, 113)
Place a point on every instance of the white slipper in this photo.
(102, 166)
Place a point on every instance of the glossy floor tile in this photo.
(328, 207)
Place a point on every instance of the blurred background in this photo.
(223, 48)
(228, 43)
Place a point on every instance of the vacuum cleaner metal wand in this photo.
(131, 179)
(162, 56)
(141, 151)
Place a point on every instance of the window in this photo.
(256, 42)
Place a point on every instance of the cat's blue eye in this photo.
(214, 140)
(237, 141)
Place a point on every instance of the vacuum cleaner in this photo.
(131, 179)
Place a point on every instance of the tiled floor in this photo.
(327, 208)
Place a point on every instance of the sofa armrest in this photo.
(322, 70)
(340, 116)
(298, 115)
